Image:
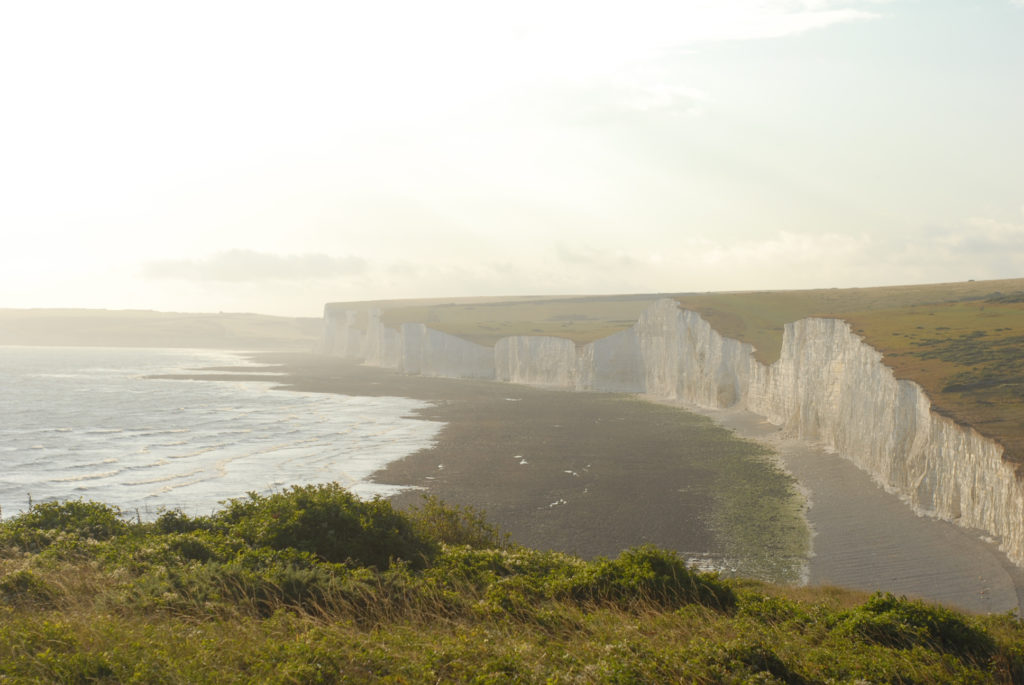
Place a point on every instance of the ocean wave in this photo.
(177, 486)
(206, 441)
(198, 452)
(88, 476)
(162, 479)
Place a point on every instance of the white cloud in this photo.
(249, 266)
(785, 249)
(621, 99)
(978, 248)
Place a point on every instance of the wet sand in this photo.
(592, 474)
(584, 473)
(868, 539)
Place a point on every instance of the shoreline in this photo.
(867, 538)
(589, 474)
(862, 536)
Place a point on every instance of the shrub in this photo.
(330, 522)
(646, 574)
(455, 525)
(24, 587)
(745, 660)
(176, 521)
(773, 610)
(467, 566)
(43, 523)
(903, 623)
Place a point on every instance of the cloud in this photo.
(589, 256)
(978, 248)
(786, 249)
(616, 100)
(239, 266)
(983, 236)
(667, 24)
(679, 261)
(663, 97)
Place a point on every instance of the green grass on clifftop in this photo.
(581, 320)
(314, 586)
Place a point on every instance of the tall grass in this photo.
(224, 599)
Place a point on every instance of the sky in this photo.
(274, 156)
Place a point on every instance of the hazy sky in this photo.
(272, 156)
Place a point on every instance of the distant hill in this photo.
(144, 328)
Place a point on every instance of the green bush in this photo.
(747, 661)
(37, 528)
(24, 587)
(261, 579)
(455, 525)
(772, 610)
(176, 521)
(465, 566)
(328, 521)
(249, 595)
(899, 622)
(645, 574)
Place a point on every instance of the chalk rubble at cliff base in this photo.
(828, 386)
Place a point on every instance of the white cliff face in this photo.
(431, 353)
(359, 334)
(383, 345)
(536, 360)
(827, 386)
(612, 364)
(830, 387)
(343, 336)
(686, 359)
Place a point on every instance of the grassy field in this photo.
(581, 320)
(966, 355)
(758, 317)
(313, 586)
(960, 341)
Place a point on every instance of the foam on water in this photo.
(87, 422)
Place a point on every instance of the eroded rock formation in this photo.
(827, 386)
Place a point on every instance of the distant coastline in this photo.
(145, 328)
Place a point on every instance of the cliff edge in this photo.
(827, 386)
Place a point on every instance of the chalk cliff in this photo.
(431, 353)
(536, 360)
(827, 386)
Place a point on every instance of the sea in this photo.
(92, 423)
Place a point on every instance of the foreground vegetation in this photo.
(314, 586)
